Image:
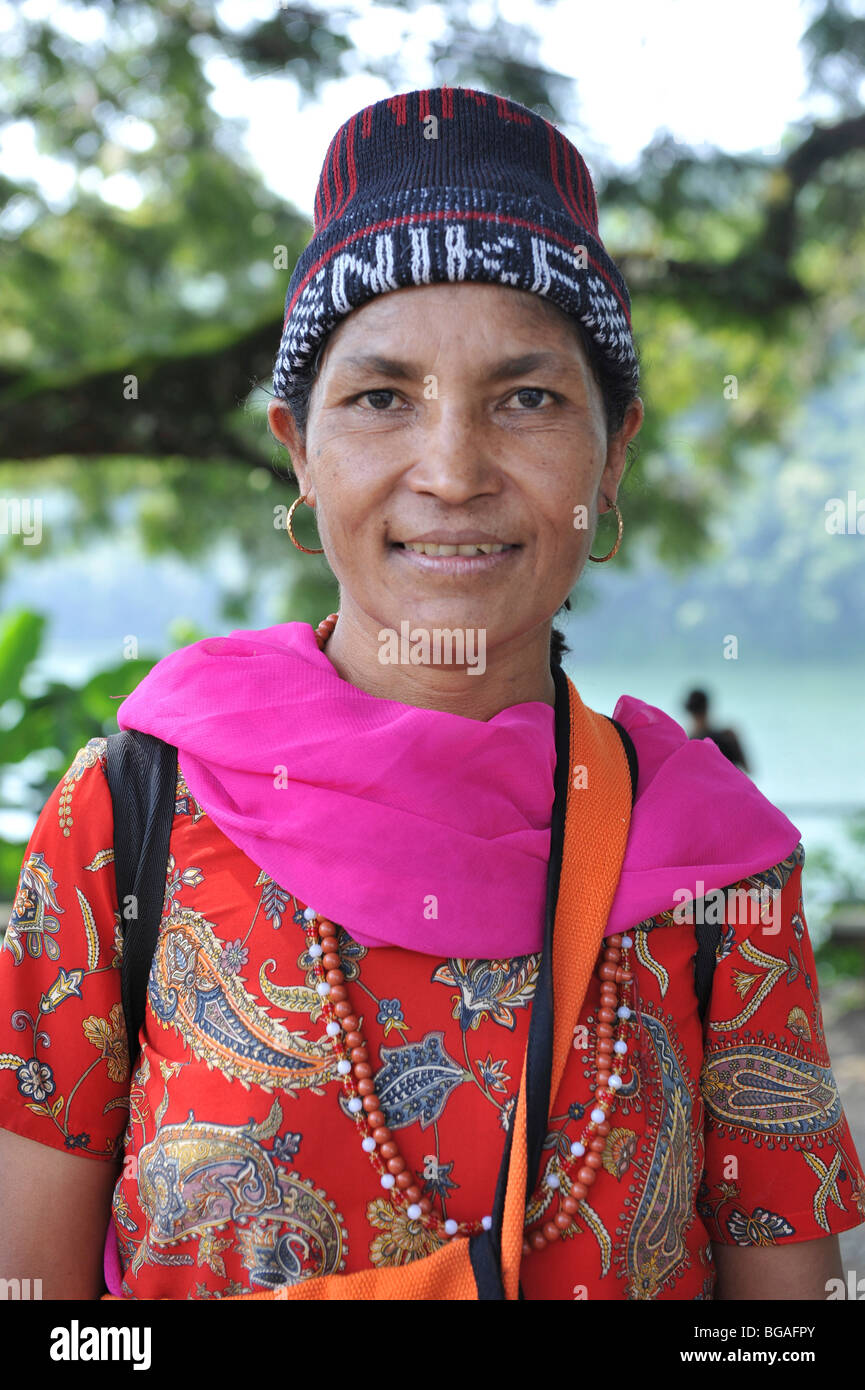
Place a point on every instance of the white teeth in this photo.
(427, 548)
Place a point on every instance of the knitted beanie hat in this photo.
(450, 183)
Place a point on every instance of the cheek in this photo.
(352, 490)
(351, 460)
(561, 500)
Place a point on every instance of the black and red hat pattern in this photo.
(451, 183)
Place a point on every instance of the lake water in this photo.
(800, 727)
(801, 731)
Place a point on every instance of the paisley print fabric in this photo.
(238, 1162)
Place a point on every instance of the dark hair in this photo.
(697, 702)
(617, 384)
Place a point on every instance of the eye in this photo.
(535, 391)
(377, 392)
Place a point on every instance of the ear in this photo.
(617, 450)
(283, 427)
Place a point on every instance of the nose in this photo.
(455, 458)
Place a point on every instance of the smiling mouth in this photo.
(429, 548)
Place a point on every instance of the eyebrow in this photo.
(406, 371)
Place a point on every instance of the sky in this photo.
(727, 75)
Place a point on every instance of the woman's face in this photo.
(424, 424)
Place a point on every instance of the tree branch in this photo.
(181, 406)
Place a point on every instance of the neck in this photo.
(513, 672)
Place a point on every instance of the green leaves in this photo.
(53, 721)
(20, 640)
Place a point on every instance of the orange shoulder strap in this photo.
(597, 819)
(594, 788)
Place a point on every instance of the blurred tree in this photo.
(40, 732)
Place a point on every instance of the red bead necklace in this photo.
(570, 1176)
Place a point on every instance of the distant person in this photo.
(697, 705)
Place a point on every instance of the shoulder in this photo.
(87, 776)
(83, 783)
(661, 741)
(93, 753)
(698, 822)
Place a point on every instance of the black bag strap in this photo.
(142, 777)
(708, 935)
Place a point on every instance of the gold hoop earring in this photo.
(602, 559)
(305, 548)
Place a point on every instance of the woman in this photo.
(462, 990)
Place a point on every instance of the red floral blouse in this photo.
(241, 1166)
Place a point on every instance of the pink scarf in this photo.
(419, 828)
